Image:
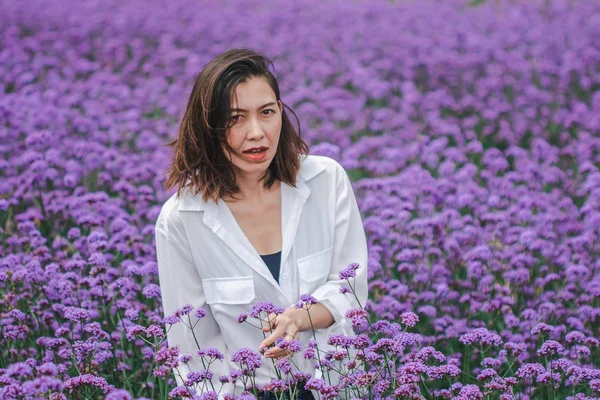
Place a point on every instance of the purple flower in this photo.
(185, 310)
(167, 356)
(154, 331)
(247, 396)
(361, 341)
(197, 377)
(171, 320)
(234, 375)
(119, 394)
(266, 307)
(357, 316)
(345, 290)
(151, 290)
(132, 314)
(550, 347)
(87, 380)
(314, 384)
(247, 358)
(284, 365)
(200, 313)
(481, 336)
(529, 370)
(211, 353)
(349, 271)
(73, 233)
(575, 337)
(76, 314)
(308, 299)
(339, 340)
(309, 354)
(133, 331)
(486, 374)
(471, 392)
(409, 319)
(491, 362)
(20, 369)
(541, 327)
(180, 391)
(481, 252)
(185, 358)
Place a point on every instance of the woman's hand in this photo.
(282, 325)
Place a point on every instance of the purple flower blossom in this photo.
(171, 320)
(210, 353)
(345, 290)
(550, 347)
(471, 392)
(151, 290)
(409, 319)
(185, 358)
(308, 299)
(119, 394)
(200, 313)
(247, 358)
(529, 370)
(180, 391)
(167, 356)
(185, 310)
(266, 307)
(76, 314)
(197, 377)
(477, 185)
(87, 380)
(575, 337)
(481, 336)
(541, 327)
(154, 331)
(349, 271)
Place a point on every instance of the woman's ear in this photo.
(280, 104)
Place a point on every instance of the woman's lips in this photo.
(256, 156)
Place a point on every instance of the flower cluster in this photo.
(470, 132)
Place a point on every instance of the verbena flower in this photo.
(266, 307)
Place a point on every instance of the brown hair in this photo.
(198, 148)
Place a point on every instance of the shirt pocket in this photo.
(237, 290)
(314, 270)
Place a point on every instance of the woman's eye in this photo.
(268, 110)
(235, 117)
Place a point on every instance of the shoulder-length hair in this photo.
(199, 161)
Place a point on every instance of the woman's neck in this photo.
(252, 190)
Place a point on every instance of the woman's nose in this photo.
(255, 130)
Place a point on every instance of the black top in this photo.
(273, 261)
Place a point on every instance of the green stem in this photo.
(197, 345)
(317, 345)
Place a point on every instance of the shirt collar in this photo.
(309, 168)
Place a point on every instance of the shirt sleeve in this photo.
(349, 246)
(180, 284)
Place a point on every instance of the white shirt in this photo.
(204, 259)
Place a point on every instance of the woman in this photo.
(254, 219)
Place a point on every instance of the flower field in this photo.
(470, 130)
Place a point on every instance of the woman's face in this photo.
(256, 124)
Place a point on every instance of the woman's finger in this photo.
(284, 354)
(269, 322)
(277, 352)
(270, 340)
